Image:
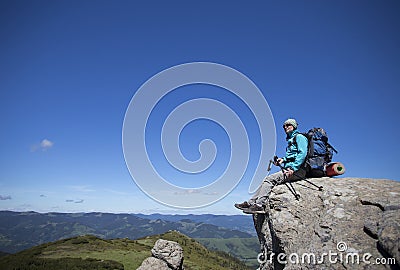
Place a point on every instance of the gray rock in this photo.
(371, 228)
(152, 263)
(389, 233)
(170, 252)
(351, 219)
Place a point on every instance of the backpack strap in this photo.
(310, 146)
(295, 136)
(310, 151)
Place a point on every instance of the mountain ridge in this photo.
(47, 227)
(234, 222)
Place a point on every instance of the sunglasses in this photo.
(287, 125)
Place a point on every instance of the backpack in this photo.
(319, 152)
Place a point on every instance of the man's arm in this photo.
(302, 145)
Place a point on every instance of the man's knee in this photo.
(268, 182)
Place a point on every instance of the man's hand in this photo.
(279, 161)
(288, 172)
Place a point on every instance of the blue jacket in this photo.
(295, 153)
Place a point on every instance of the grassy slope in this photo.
(128, 252)
(196, 256)
(124, 251)
(246, 249)
(3, 254)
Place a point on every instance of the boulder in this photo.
(152, 263)
(170, 252)
(166, 255)
(352, 223)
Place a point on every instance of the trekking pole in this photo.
(269, 165)
(291, 188)
(320, 188)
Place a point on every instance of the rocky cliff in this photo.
(351, 223)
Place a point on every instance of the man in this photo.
(292, 165)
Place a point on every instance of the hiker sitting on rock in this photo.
(292, 170)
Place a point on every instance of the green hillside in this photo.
(90, 252)
(3, 254)
(245, 249)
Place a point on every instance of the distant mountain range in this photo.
(22, 230)
(234, 222)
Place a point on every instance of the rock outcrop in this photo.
(352, 223)
(167, 255)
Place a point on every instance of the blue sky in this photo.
(68, 70)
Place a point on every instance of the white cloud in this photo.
(75, 201)
(3, 198)
(187, 192)
(44, 145)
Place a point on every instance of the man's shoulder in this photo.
(302, 136)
